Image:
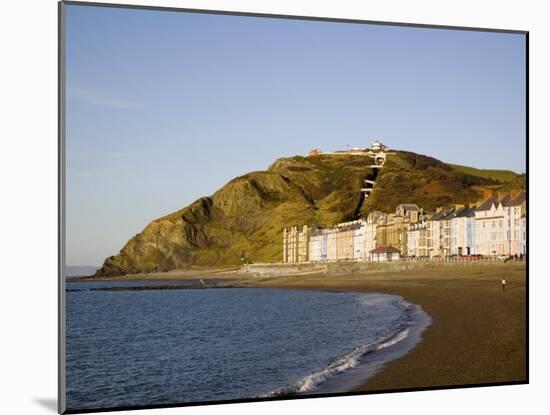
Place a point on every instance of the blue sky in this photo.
(165, 107)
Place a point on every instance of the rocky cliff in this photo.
(244, 220)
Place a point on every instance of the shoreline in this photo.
(374, 357)
(478, 330)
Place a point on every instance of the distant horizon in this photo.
(166, 107)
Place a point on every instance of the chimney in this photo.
(457, 207)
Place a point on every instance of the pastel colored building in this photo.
(438, 232)
(359, 234)
(349, 239)
(463, 231)
(417, 240)
(296, 244)
(318, 246)
(498, 223)
(516, 208)
(524, 235)
(497, 226)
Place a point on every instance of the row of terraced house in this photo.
(495, 226)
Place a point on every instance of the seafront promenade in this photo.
(352, 266)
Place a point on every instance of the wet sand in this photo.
(478, 332)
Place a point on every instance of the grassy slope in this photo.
(413, 178)
(499, 175)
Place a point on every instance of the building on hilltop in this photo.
(377, 150)
(378, 146)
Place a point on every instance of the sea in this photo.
(128, 348)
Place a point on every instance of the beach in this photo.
(478, 329)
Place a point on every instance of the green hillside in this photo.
(499, 175)
(244, 220)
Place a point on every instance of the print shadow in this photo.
(48, 403)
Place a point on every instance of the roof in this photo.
(465, 213)
(507, 201)
(516, 201)
(443, 215)
(408, 206)
(385, 250)
(487, 203)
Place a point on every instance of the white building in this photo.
(359, 233)
(523, 235)
(516, 208)
(463, 231)
(439, 233)
(417, 240)
(344, 241)
(317, 241)
(377, 146)
(499, 228)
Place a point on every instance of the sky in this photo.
(166, 107)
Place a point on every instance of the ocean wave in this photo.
(347, 361)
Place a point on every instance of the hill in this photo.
(498, 175)
(244, 220)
